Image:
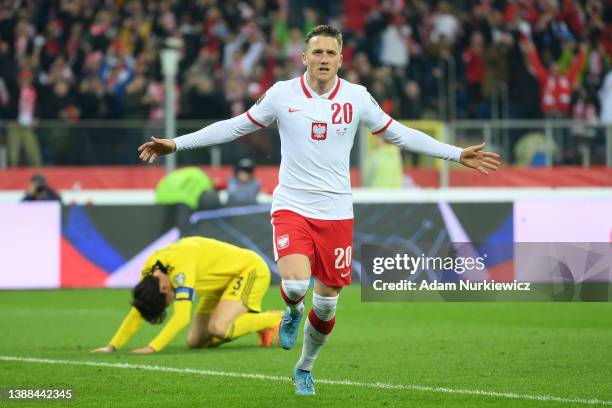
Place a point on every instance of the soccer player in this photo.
(318, 115)
(230, 282)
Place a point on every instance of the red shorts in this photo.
(327, 243)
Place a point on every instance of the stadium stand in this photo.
(81, 83)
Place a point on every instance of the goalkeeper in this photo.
(230, 282)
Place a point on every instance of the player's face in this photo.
(165, 286)
(322, 58)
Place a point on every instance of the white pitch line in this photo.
(265, 377)
(61, 312)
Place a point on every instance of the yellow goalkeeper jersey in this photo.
(194, 265)
(201, 264)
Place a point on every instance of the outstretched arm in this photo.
(259, 116)
(219, 132)
(131, 324)
(419, 142)
(534, 59)
(180, 319)
(574, 69)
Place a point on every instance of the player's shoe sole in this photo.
(304, 383)
(288, 329)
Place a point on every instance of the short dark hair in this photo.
(325, 31)
(149, 301)
(245, 164)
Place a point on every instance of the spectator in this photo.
(474, 60)
(24, 35)
(188, 187)
(596, 66)
(499, 67)
(117, 70)
(523, 87)
(555, 87)
(91, 101)
(4, 101)
(90, 98)
(235, 50)
(445, 26)
(395, 38)
(39, 190)
(380, 93)
(410, 101)
(243, 186)
(294, 50)
(584, 116)
(584, 110)
(22, 133)
(356, 12)
(60, 105)
(243, 51)
(363, 68)
(383, 167)
(154, 99)
(135, 91)
(204, 101)
(605, 98)
(9, 72)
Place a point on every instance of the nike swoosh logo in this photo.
(344, 275)
(291, 110)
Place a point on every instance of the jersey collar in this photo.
(308, 92)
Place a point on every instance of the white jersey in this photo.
(317, 133)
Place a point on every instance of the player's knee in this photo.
(197, 339)
(294, 267)
(194, 342)
(218, 328)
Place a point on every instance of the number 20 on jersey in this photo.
(342, 114)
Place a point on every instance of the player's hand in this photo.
(156, 147)
(474, 158)
(105, 349)
(144, 350)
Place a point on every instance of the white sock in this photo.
(294, 292)
(317, 329)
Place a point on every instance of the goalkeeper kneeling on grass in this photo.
(230, 282)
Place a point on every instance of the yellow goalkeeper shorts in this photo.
(249, 286)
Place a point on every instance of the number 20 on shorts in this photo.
(343, 257)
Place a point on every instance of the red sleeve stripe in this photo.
(306, 92)
(322, 326)
(254, 121)
(383, 128)
(336, 89)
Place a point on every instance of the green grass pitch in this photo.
(433, 354)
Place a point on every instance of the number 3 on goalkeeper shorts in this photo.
(343, 257)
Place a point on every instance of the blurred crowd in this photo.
(89, 59)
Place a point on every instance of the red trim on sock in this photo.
(288, 300)
(322, 326)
